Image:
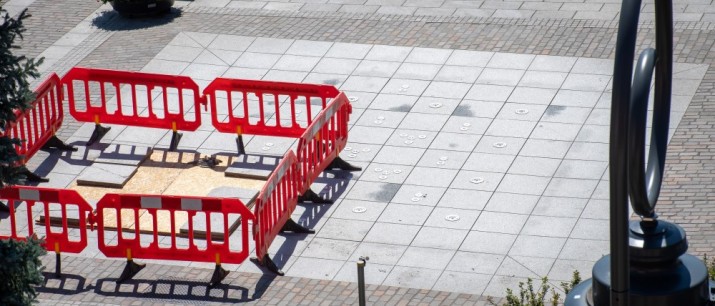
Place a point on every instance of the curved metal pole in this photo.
(618, 155)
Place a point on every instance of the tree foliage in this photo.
(20, 270)
(15, 92)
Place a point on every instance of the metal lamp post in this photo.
(648, 264)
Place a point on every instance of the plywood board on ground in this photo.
(168, 173)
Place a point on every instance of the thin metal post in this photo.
(361, 279)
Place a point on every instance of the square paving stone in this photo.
(597, 209)
(370, 135)
(588, 151)
(348, 50)
(434, 105)
(559, 207)
(428, 56)
(409, 277)
(583, 249)
(536, 246)
(465, 199)
(552, 63)
(466, 125)
(417, 71)
(484, 92)
(443, 159)
(400, 234)
(483, 242)
(576, 98)
(455, 142)
(415, 257)
(410, 138)
(309, 48)
(564, 187)
(549, 226)
(359, 210)
(395, 103)
(488, 162)
(445, 217)
(470, 262)
(364, 83)
(439, 238)
(497, 222)
(495, 76)
(543, 79)
(556, 131)
(373, 191)
(563, 268)
(536, 166)
(452, 281)
(545, 148)
(388, 53)
(329, 249)
(399, 155)
(461, 74)
(418, 195)
(525, 184)
(123, 155)
(511, 61)
(369, 68)
(512, 203)
(379, 253)
(485, 181)
(405, 214)
(485, 109)
(500, 145)
(315, 268)
(388, 173)
(375, 273)
(595, 133)
(566, 114)
(520, 111)
(450, 90)
(511, 128)
(106, 175)
(596, 229)
(524, 266)
(431, 177)
(405, 87)
(252, 166)
(381, 118)
(469, 58)
(342, 229)
(581, 169)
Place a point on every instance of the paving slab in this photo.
(106, 175)
(121, 154)
(252, 166)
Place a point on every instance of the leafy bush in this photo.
(710, 264)
(530, 296)
(20, 270)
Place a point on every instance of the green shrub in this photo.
(531, 296)
(710, 264)
(20, 270)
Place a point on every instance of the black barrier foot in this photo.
(292, 226)
(130, 270)
(4, 207)
(97, 134)
(267, 262)
(56, 143)
(175, 138)
(31, 177)
(341, 164)
(219, 274)
(311, 196)
(240, 146)
(58, 265)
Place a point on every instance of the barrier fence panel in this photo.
(320, 145)
(129, 211)
(27, 205)
(274, 206)
(264, 107)
(134, 99)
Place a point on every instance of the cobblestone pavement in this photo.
(88, 36)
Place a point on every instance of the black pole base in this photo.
(292, 226)
(97, 134)
(219, 274)
(241, 148)
(130, 270)
(58, 265)
(339, 163)
(31, 177)
(311, 196)
(267, 262)
(56, 143)
(175, 138)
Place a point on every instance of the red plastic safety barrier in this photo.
(254, 107)
(63, 202)
(133, 98)
(323, 140)
(40, 122)
(275, 203)
(131, 245)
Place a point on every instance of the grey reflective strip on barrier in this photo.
(29, 194)
(151, 202)
(191, 204)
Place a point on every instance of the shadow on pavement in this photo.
(66, 285)
(172, 289)
(110, 20)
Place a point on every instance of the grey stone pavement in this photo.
(481, 127)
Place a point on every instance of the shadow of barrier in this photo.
(67, 284)
(168, 290)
